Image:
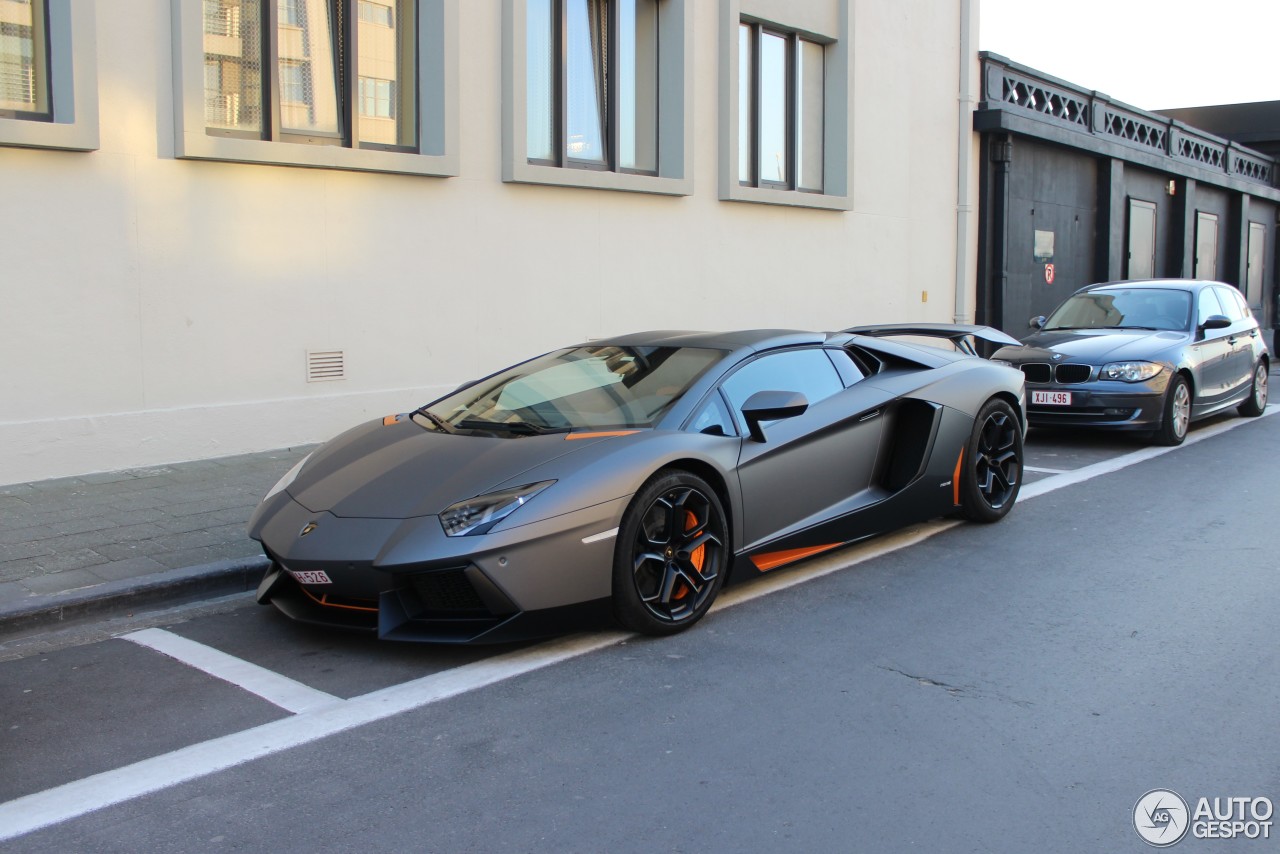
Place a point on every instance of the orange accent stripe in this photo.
(773, 560)
(323, 601)
(389, 420)
(955, 478)
(599, 435)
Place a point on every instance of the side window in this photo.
(809, 372)
(1208, 306)
(849, 370)
(713, 419)
(1232, 306)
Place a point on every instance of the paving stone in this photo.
(58, 582)
(126, 551)
(107, 477)
(72, 560)
(18, 570)
(18, 551)
(17, 489)
(131, 568)
(209, 554)
(81, 526)
(25, 535)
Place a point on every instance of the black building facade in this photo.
(1077, 188)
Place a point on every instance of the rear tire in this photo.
(1176, 417)
(992, 471)
(1257, 402)
(672, 555)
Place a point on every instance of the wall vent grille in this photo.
(324, 365)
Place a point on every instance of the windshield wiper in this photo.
(439, 422)
(524, 428)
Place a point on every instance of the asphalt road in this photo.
(1014, 687)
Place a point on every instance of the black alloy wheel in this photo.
(671, 556)
(991, 473)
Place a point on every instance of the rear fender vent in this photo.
(324, 365)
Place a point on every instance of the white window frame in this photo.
(835, 32)
(675, 110)
(73, 85)
(437, 83)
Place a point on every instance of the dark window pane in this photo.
(773, 109)
(385, 54)
(1209, 306)
(308, 72)
(745, 139)
(233, 65)
(810, 81)
(585, 28)
(713, 419)
(540, 77)
(638, 84)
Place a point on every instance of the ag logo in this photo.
(1161, 817)
(307, 529)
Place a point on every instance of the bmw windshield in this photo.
(1128, 308)
(595, 387)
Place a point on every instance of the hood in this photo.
(1096, 346)
(402, 470)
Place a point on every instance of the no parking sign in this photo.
(1048, 274)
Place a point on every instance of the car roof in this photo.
(750, 339)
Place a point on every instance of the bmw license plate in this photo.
(315, 576)
(1051, 398)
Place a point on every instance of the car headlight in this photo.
(1004, 362)
(1130, 372)
(478, 515)
(289, 477)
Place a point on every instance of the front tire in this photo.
(1176, 417)
(672, 555)
(992, 471)
(1257, 402)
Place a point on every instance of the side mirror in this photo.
(1037, 322)
(1216, 321)
(771, 406)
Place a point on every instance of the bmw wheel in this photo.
(671, 556)
(1257, 402)
(991, 472)
(1177, 412)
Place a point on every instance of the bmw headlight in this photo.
(1004, 362)
(478, 515)
(1130, 372)
(289, 477)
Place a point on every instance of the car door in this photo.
(809, 466)
(1210, 353)
(1242, 337)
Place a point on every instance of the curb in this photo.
(172, 587)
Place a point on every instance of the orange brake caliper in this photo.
(696, 557)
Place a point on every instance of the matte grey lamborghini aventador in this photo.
(631, 476)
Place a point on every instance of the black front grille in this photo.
(1037, 373)
(447, 590)
(1068, 374)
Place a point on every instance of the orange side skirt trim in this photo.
(773, 560)
(955, 479)
(599, 435)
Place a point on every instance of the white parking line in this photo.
(284, 692)
(71, 800)
(1044, 470)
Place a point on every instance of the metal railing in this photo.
(1009, 86)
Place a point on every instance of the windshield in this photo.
(1134, 308)
(593, 387)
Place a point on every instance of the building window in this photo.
(293, 71)
(592, 84)
(781, 79)
(786, 104)
(1206, 260)
(377, 98)
(48, 74)
(24, 60)
(1142, 239)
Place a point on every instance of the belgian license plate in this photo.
(314, 576)
(1051, 398)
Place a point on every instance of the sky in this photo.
(1151, 54)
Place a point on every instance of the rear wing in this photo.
(958, 334)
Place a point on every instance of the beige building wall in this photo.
(157, 309)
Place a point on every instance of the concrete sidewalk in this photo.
(96, 544)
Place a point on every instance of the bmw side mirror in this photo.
(1037, 322)
(1216, 321)
(772, 406)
